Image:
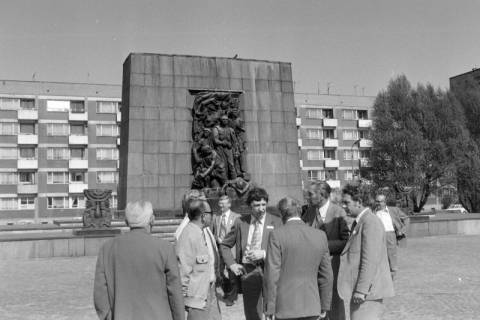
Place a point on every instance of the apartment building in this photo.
(333, 136)
(56, 139)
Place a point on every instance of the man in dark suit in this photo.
(393, 222)
(221, 226)
(249, 235)
(364, 277)
(324, 215)
(298, 275)
(137, 275)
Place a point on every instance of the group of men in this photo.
(306, 263)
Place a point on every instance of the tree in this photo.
(415, 136)
(467, 94)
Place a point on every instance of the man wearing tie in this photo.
(324, 215)
(249, 235)
(221, 226)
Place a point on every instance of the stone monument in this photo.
(216, 124)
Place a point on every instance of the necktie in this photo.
(223, 227)
(256, 242)
(354, 224)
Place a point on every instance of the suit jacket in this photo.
(194, 262)
(217, 221)
(137, 277)
(364, 264)
(238, 237)
(335, 226)
(298, 276)
(398, 221)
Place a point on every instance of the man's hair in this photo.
(289, 207)
(224, 197)
(257, 194)
(356, 193)
(139, 214)
(195, 209)
(323, 188)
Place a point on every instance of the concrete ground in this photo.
(439, 279)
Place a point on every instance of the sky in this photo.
(349, 46)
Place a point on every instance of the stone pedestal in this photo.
(96, 232)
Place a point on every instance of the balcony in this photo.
(330, 163)
(27, 188)
(78, 164)
(298, 121)
(27, 139)
(333, 123)
(78, 139)
(27, 164)
(77, 187)
(363, 123)
(330, 143)
(83, 116)
(365, 143)
(334, 183)
(118, 141)
(27, 114)
(365, 163)
(119, 117)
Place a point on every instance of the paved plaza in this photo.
(439, 279)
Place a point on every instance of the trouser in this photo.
(337, 309)
(211, 310)
(230, 286)
(252, 283)
(391, 238)
(367, 310)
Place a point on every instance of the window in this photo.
(314, 154)
(107, 154)
(57, 129)
(57, 177)
(27, 103)
(364, 154)
(77, 153)
(27, 203)
(107, 107)
(107, 130)
(27, 128)
(8, 203)
(77, 107)
(362, 114)
(9, 103)
(313, 175)
(114, 201)
(351, 154)
(329, 134)
(77, 202)
(8, 153)
(77, 129)
(58, 105)
(107, 177)
(57, 202)
(327, 113)
(58, 153)
(329, 154)
(77, 177)
(27, 153)
(314, 113)
(330, 175)
(26, 177)
(349, 174)
(349, 114)
(350, 135)
(8, 178)
(364, 134)
(314, 134)
(8, 128)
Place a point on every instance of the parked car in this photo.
(456, 208)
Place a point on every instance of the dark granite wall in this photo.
(156, 124)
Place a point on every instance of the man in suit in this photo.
(324, 215)
(198, 258)
(221, 226)
(393, 222)
(298, 275)
(137, 275)
(364, 276)
(249, 236)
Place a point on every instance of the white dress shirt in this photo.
(252, 227)
(323, 210)
(384, 215)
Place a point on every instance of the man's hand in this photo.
(269, 317)
(358, 297)
(237, 269)
(255, 255)
(323, 315)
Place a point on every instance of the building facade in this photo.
(56, 139)
(333, 136)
